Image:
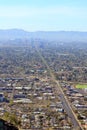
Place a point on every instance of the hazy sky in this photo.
(48, 15)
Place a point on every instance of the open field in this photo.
(82, 86)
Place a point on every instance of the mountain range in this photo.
(11, 34)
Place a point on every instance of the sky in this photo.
(44, 15)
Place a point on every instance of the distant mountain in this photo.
(12, 34)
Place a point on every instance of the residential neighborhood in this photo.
(33, 97)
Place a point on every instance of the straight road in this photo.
(64, 100)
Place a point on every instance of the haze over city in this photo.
(43, 64)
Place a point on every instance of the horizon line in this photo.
(42, 30)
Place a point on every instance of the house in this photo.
(19, 96)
